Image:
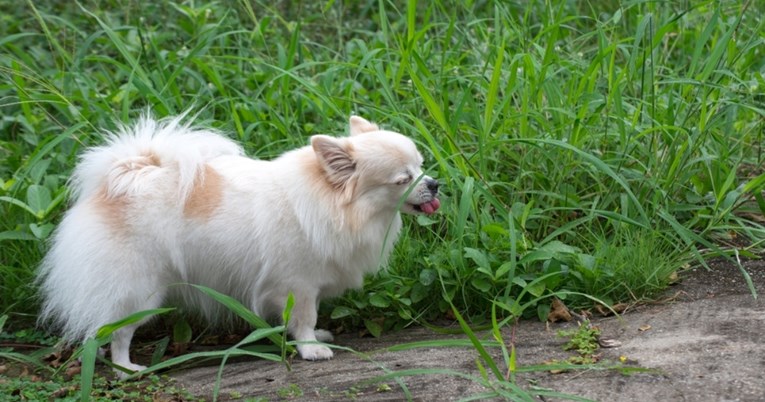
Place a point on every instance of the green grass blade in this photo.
(478, 345)
(87, 372)
(110, 328)
(599, 164)
(240, 310)
(439, 343)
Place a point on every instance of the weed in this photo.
(352, 393)
(34, 388)
(290, 391)
(28, 336)
(583, 340)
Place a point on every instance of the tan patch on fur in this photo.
(340, 197)
(206, 196)
(141, 162)
(112, 209)
(342, 194)
(153, 159)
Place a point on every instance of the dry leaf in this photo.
(179, 348)
(752, 216)
(232, 339)
(210, 340)
(605, 312)
(72, 371)
(558, 311)
(62, 392)
(161, 396)
(620, 307)
(556, 370)
(57, 358)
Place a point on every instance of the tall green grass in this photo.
(583, 147)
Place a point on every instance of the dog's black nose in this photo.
(433, 186)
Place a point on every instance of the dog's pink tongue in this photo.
(430, 207)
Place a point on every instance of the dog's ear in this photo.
(361, 125)
(335, 158)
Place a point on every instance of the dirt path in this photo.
(706, 345)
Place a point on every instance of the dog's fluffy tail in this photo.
(133, 152)
(89, 278)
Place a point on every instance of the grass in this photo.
(584, 147)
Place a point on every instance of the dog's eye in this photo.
(404, 179)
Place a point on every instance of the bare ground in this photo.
(703, 344)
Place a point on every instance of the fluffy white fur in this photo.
(163, 203)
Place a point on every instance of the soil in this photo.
(703, 342)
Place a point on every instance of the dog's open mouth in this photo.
(429, 207)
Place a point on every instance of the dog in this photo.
(163, 203)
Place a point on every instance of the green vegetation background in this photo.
(584, 148)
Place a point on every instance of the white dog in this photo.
(163, 203)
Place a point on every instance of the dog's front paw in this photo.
(314, 352)
(130, 366)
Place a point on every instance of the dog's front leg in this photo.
(302, 327)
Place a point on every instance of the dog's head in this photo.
(376, 170)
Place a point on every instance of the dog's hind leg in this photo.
(143, 291)
(120, 346)
(146, 293)
(121, 350)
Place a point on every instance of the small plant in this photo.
(28, 335)
(291, 391)
(60, 388)
(584, 340)
(352, 393)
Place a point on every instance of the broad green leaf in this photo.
(379, 300)
(373, 327)
(481, 283)
(182, 331)
(38, 199)
(478, 257)
(342, 311)
(41, 231)
(427, 276)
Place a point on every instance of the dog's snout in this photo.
(432, 185)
